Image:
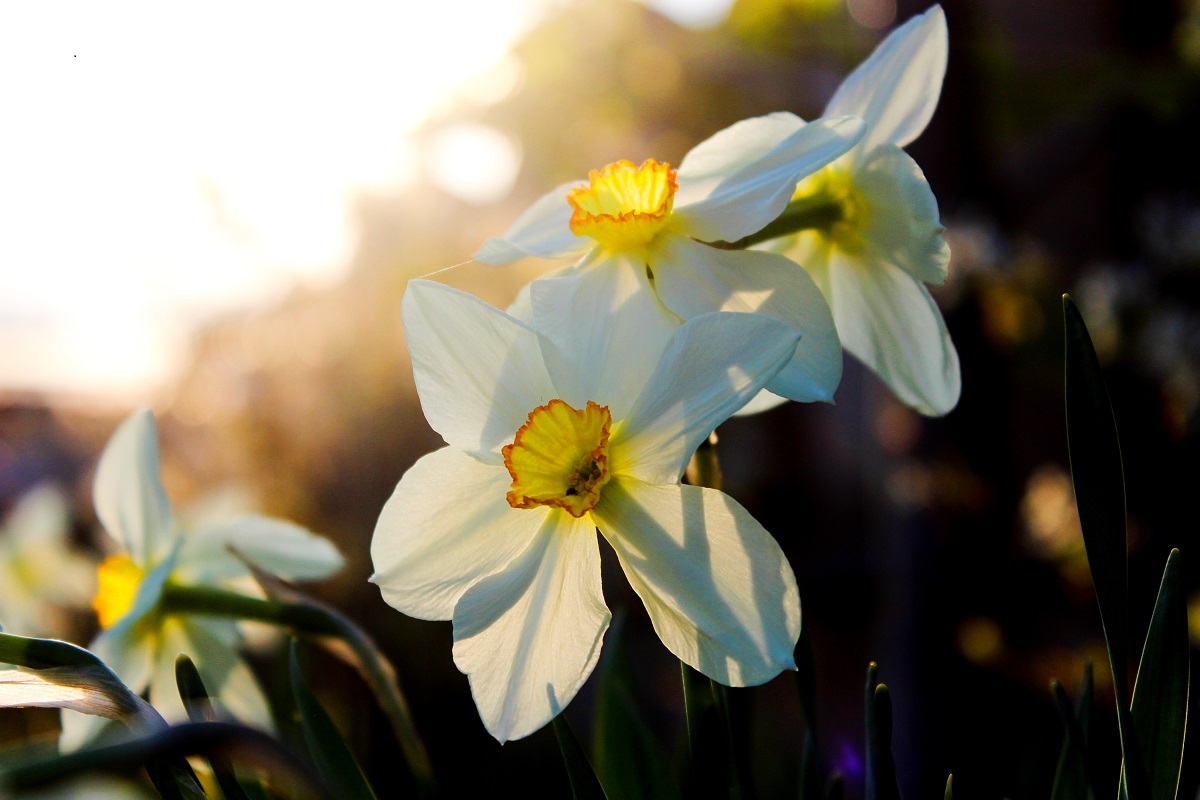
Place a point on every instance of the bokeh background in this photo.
(214, 212)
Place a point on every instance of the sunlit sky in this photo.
(164, 162)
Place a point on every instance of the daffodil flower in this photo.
(40, 573)
(557, 431)
(883, 241)
(138, 641)
(654, 219)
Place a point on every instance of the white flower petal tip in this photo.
(128, 494)
(525, 643)
(478, 371)
(738, 622)
(896, 89)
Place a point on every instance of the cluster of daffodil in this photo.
(726, 285)
(731, 283)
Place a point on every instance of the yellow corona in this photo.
(624, 207)
(560, 457)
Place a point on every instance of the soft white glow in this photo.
(476, 163)
(160, 161)
(692, 13)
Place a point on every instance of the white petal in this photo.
(543, 231)
(730, 149)
(129, 497)
(447, 525)
(712, 366)
(604, 330)
(40, 515)
(896, 89)
(693, 279)
(720, 592)
(758, 192)
(522, 306)
(888, 320)
(903, 226)
(529, 636)
(763, 401)
(479, 372)
(278, 546)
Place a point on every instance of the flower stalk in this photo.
(815, 212)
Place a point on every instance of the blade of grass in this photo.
(584, 783)
(1160, 695)
(881, 767)
(200, 709)
(325, 743)
(1098, 477)
(1071, 779)
(708, 776)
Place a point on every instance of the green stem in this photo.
(310, 619)
(817, 212)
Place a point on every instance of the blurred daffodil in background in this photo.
(552, 434)
(140, 642)
(41, 574)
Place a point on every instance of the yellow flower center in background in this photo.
(624, 206)
(560, 457)
(118, 579)
(835, 186)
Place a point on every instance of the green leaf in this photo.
(200, 709)
(584, 783)
(881, 768)
(1160, 696)
(949, 787)
(325, 744)
(628, 759)
(1071, 781)
(1096, 471)
(710, 764)
(733, 704)
(172, 745)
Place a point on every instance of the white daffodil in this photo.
(40, 573)
(556, 432)
(139, 642)
(883, 240)
(655, 219)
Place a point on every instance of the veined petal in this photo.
(129, 497)
(730, 149)
(694, 279)
(889, 321)
(712, 366)
(529, 635)
(543, 231)
(903, 227)
(720, 592)
(278, 546)
(604, 330)
(447, 525)
(896, 89)
(758, 192)
(478, 371)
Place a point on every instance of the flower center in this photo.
(624, 206)
(560, 457)
(835, 185)
(118, 579)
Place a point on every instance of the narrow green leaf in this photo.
(710, 768)
(200, 709)
(810, 772)
(881, 768)
(325, 744)
(734, 708)
(239, 743)
(1071, 780)
(584, 783)
(949, 787)
(1083, 710)
(629, 761)
(1160, 696)
(1098, 477)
